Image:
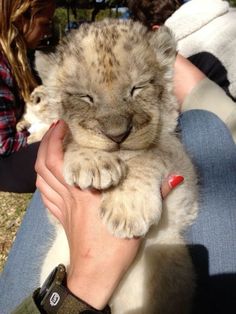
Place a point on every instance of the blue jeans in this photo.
(212, 238)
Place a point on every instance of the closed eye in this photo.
(87, 98)
(135, 90)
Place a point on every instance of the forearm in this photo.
(98, 260)
(186, 77)
(93, 282)
(95, 278)
(195, 91)
(207, 95)
(94, 288)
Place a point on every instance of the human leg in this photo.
(17, 172)
(212, 236)
(21, 273)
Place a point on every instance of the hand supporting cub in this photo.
(134, 205)
(92, 247)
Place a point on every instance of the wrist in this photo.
(94, 277)
(55, 297)
(94, 285)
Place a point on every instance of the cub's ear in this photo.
(163, 42)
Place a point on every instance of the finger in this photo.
(170, 183)
(49, 193)
(55, 150)
(50, 158)
(52, 140)
(55, 211)
(47, 182)
(42, 151)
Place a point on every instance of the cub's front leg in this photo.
(88, 168)
(132, 207)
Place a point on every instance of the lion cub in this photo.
(113, 82)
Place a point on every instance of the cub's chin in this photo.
(96, 142)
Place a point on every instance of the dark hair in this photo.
(153, 12)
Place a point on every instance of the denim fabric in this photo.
(212, 238)
(21, 273)
(214, 155)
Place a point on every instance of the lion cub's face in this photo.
(114, 81)
(38, 104)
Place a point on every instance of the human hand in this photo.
(186, 77)
(98, 260)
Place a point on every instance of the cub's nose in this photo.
(119, 138)
(116, 128)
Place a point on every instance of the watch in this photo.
(55, 297)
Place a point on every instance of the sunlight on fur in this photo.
(111, 81)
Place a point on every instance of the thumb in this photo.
(50, 153)
(170, 183)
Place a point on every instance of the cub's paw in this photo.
(22, 125)
(32, 139)
(94, 171)
(129, 215)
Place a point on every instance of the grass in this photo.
(12, 209)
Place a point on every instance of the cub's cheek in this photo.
(141, 119)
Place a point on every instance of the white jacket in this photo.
(210, 26)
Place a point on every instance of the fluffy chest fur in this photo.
(113, 83)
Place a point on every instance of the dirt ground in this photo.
(12, 209)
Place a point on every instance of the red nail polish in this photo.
(175, 180)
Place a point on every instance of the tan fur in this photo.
(114, 82)
(40, 112)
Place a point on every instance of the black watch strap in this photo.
(61, 301)
(55, 298)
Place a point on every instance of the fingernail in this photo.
(175, 180)
(54, 124)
